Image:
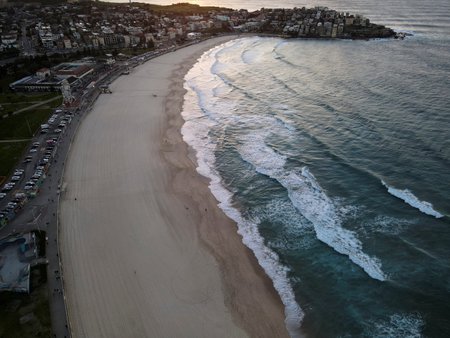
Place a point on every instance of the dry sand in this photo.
(145, 249)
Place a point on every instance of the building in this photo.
(47, 80)
(334, 31)
(67, 43)
(38, 84)
(194, 35)
(72, 69)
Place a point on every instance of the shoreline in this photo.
(210, 215)
(183, 196)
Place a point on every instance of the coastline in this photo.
(228, 295)
(218, 232)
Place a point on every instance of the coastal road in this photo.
(41, 213)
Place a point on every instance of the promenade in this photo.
(41, 213)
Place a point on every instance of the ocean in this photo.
(333, 157)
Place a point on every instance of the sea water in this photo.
(333, 157)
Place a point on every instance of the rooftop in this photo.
(16, 252)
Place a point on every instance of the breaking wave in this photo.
(296, 159)
(312, 202)
(408, 197)
(195, 132)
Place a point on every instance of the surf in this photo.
(199, 120)
(409, 198)
(312, 202)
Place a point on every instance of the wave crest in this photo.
(408, 197)
(308, 197)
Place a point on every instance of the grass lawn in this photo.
(9, 155)
(11, 107)
(23, 98)
(20, 126)
(134, 52)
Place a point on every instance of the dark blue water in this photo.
(334, 159)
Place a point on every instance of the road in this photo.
(41, 213)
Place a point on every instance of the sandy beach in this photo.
(146, 251)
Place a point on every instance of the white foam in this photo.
(408, 197)
(388, 225)
(312, 202)
(295, 231)
(249, 56)
(196, 133)
(399, 325)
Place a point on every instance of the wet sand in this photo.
(146, 251)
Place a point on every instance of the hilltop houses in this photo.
(71, 27)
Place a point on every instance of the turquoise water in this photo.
(334, 159)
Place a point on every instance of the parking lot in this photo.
(30, 200)
(26, 181)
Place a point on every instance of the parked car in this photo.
(8, 186)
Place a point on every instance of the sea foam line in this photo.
(408, 325)
(408, 197)
(311, 201)
(195, 132)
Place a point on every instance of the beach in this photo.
(146, 251)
